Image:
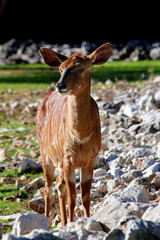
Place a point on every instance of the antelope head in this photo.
(75, 69)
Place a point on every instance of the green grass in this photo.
(8, 142)
(24, 86)
(16, 174)
(29, 76)
(6, 190)
(131, 71)
(9, 208)
(26, 76)
(25, 66)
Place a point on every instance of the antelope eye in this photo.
(77, 69)
(60, 70)
(80, 70)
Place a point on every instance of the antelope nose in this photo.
(60, 86)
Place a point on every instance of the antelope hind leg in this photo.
(48, 169)
(61, 188)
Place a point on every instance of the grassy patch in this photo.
(4, 86)
(9, 173)
(132, 71)
(9, 208)
(12, 133)
(29, 77)
(26, 76)
(11, 123)
(6, 190)
(23, 66)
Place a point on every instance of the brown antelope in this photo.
(68, 128)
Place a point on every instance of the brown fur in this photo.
(68, 128)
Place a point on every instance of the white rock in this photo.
(115, 234)
(158, 150)
(129, 109)
(157, 96)
(151, 118)
(37, 204)
(89, 224)
(152, 214)
(116, 172)
(30, 166)
(130, 175)
(141, 152)
(157, 137)
(143, 100)
(24, 157)
(155, 53)
(136, 228)
(156, 79)
(150, 105)
(34, 185)
(113, 209)
(99, 172)
(152, 169)
(25, 223)
(95, 194)
(33, 105)
(37, 234)
(134, 194)
(96, 162)
(108, 82)
(112, 184)
(104, 131)
(111, 157)
(4, 154)
(14, 105)
(83, 228)
(101, 186)
(21, 129)
(156, 181)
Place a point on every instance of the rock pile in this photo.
(125, 194)
(26, 51)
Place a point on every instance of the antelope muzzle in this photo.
(61, 86)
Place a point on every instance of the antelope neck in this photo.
(79, 115)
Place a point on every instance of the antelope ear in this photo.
(52, 58)
(101, 54)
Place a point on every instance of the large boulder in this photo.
(27, 222)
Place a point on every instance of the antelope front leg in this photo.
(61, 187)
(69, 173)
(86, 182)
